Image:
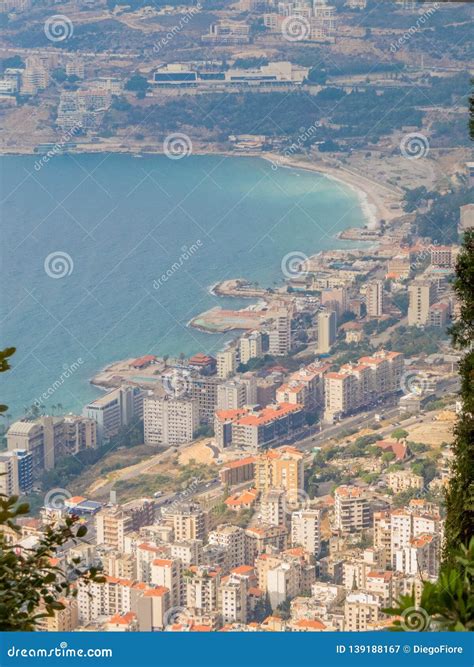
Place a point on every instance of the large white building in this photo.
(169, 421)
(306, 530)
(114, 410)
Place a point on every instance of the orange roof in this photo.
(239, 462)
(123, 619)
(230, 414)
(75, 500)
(386, 576)
(149, 547)
(159, 591)
(162, 562)
(243, 569)
(349, 491)
(201, 359)
(143, 361)
(313, 625)
(244, 498)
(201, 628)
(268, 414)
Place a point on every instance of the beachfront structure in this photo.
(115, 410)
(169, 421)
(48, 438)
(251, 428)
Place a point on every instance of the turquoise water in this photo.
(123, 222)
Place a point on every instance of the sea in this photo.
(86, 240)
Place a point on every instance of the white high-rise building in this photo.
(306, 530)
(169, 421)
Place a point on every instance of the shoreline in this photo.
(375, 199)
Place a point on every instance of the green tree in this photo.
(447, 604)
(31, 585)
(399, 434)
(460, 491)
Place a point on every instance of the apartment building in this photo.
(201, 585)
(232, 539)
(327, 330)
(16, 472)
(236, 393)
(306, 530)
(281, 468)
(361, 611)
(280, 340)
(169, 421)
(304, 387)
(422, 295)
(203, 391)
(113, 523)
(251, 428)
(402, 480)
(189, 521)
(168, 573)
(351, 509)
(115, 410)
(273, 507)
(227, 362)
(250, 346)
(375, 298)
(233, 600)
